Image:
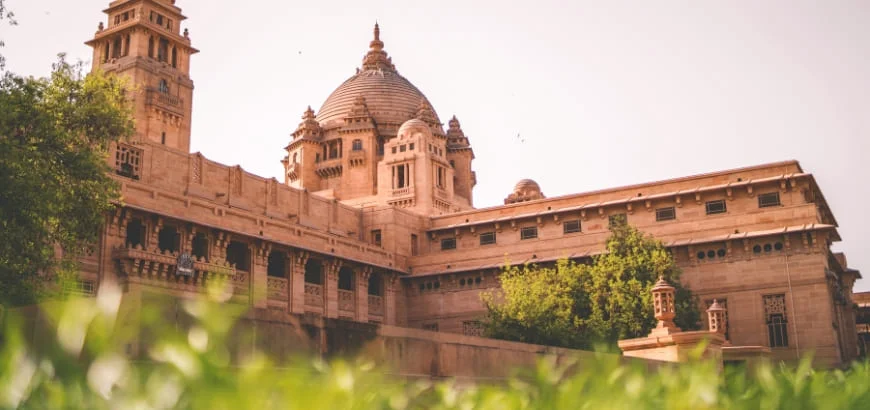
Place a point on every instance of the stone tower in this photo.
(143, 42)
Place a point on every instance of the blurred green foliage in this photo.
(583, 305)
(86, 367)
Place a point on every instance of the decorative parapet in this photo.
(313, 295)
(376, 305)
(346, 301)
(276, 288)
(329, 169)
(161, 268)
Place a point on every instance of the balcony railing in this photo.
(346, 301)
(376, 305)
(164, 100)
(329, 168)
(136, 262)
(276, 288)
(402, 191)
(313, 295)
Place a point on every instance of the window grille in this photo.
(666, 214)
(472, 328)
(716, 207)
(432, 327)
(571, 226)
(357, 145)
(487, 238)
(127, 161)
(448, 244)
(776, 319)
(769, 199)
(529, 232)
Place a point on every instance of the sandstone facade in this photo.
(374, 220)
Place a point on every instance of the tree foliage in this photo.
(54, 183)
(7, 15)
(582, 305)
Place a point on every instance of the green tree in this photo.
(581, 305)
(7, 15)
(54, 183)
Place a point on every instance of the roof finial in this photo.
(377, 31)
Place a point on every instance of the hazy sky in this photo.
(602, 93)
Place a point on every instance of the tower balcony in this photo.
(329, 169)
(164, 101)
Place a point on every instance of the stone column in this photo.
(297, 281)
(259, 275)
(362, 293)
(330, 287)
(391, 283)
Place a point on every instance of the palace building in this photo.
(374, 220)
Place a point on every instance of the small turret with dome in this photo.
(524, 191)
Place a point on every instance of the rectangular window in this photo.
(572, 226)
(716, 207)
(394, 150)
(768, 199)
(414, 249)
(617, 219)
(401, 176)
(487, 238)
(160, 19)
(402, 148)
(529, 232)
(432, 327)
(411, 146)
(666, 214)
(448, 244)
(127, 161)
(376, 237)
(776, 320)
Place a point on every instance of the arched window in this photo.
(313, 272)
(167, 239)
(277, 265)
(116, 47)
(200, 246)
(375, 284)
(135, 233)
(345, 278)
(239, 256)
(356, 145)
(163, 87)
(295, 157)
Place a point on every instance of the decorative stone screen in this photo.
(776, 320)
(472, 328)
(127, 161)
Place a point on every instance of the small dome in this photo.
(525, 190)
(527, 184)
(412, 126)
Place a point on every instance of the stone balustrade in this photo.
(376, 305)
(346, 302)
(276, 288)
(314, 295)
(160, 267)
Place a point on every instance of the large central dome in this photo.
(390, 98)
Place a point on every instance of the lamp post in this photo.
(663, 305)
(716, 318)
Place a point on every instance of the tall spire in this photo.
(376, 58)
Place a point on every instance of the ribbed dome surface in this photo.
(390, 98)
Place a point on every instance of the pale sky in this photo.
(601, 93)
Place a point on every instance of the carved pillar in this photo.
(153, 234)
(362, 293)
(330, 287)
(259, 275)
(392, 283)
(219, 247)
(297, 281)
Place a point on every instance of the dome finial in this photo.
(376, 58)
(377, 31)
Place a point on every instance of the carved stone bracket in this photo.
(332, 266)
